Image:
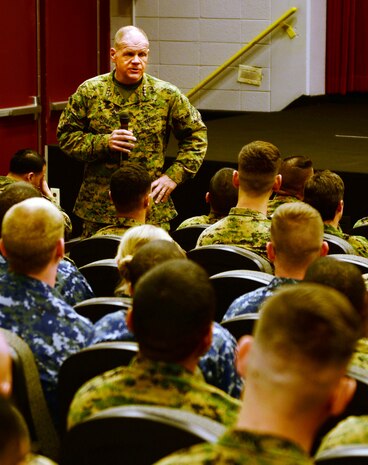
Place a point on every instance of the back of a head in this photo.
(342, 276)
(295, 171)
(128, 186)
(173, 309)
(223, 193)
(15, 193)
(14, 436)
(258, 164)
(31, 230)
(323, 191)
(26, 161)
(296, 233)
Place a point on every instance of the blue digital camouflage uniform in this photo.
(250, 302)
(53, 330)
(278, 200)
(237, 447)
(217, 365)
(211, 218)
(122, 225)
(155, 108)
(70, 283)
(359, 243)
(150, 382)
(242, 227)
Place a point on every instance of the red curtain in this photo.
(347, 46)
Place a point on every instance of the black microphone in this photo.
(124, 120)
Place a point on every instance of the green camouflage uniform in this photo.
(155, 109)
(237, 447)
(146, 382)
(352, 430)
(242, 227)
(360, 356)
(359, 243)
(123, 224)
(211, 218)
(278, 200)
(5, 181)
(361, 222)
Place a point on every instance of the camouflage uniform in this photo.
(211, 218)
(352, 430)
(53, 330)
(360, 356)
(241, 447)
(242, 227)
(155, 108)
(277, 200)
(5, 181)
(250, 302)
(148, 382)
(361, 222)
(123, 224)
(217, 365)
(359, 243)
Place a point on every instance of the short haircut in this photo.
(123, 31)
(258, 164)
(26, 161)
(295, 171)
(128, 186)
(173, 309)
(223, 193)
(30, 232)
(323, 191)
(15, 193)
(13, 428)
(150, 255)
(342, 276)
(296, 232)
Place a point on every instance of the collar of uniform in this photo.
(248, 212)
(140, 94)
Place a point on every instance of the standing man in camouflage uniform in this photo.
(89, 131)
(295, 379)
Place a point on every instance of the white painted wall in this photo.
(190, 38)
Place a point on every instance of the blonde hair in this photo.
(30, 232)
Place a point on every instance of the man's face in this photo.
(130, 58)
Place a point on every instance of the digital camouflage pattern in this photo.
(361, 222)
(359, 243)
(250, 302)
(155, 108)
(5, 181)
(360, 356)
(122, 225)
(352, 430)
(242, 227)
(237, 447)
(211, 218)
(217, 365)
(278, 200)
(146, 382)
(53, 330)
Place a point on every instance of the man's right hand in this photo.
(121, 140)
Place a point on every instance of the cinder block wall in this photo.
(189, 39)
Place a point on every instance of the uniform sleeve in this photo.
(191, 133)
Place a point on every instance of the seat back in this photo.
(93, 248)
(241, 325)
(356, 454)
(337, 245)
(135, 434)
(360, 262)
(96, 308)
(89, 362)
(360, 231)
(187, 237)
(218, 258)
(28, 397)
(230, 285)
(102, 275)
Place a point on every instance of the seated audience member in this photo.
(218, 364)
(70, 282)
(221, 196)
(32, 242)
(295, 171)
(247, 224)
(172, 315)
(361, 222)
(296, 241)
(325, 192)
(294, 369)
(130, 190)
(27, 165)
(5, 369)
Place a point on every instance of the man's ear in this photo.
(110, 196)
(270, 251)
(342, 395)
(236, 179)
(129, 319)
(60, 248)
(324, 249)
(243, 348)
(113, 54)
(147, 200)
(277, 183)
(2, 248)
(207, 197)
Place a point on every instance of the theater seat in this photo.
(97, 307)
(356, 454)
(338, 245)
(241, 325)
(93, 248)
(187, 237)
(360, 262)
(102, 275)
